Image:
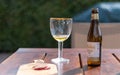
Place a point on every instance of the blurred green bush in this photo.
(25, 23)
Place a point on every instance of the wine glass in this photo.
(60, 29)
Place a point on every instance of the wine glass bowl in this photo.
(60, 29)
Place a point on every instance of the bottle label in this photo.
(93, 49)
(95, 16)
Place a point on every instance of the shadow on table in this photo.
(118, 74)
(72, 72)
(75, 71)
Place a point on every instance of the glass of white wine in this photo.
(60, 29)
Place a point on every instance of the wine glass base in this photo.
(60, 60)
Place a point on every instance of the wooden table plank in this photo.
(110, 66)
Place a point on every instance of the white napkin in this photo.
(27, 69)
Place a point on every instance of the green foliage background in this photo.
(25, 23)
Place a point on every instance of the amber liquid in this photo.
(93, 61)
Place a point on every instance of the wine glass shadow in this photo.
(118, 73)
(75, 71)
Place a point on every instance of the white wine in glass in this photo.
(60, 29)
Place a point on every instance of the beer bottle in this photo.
(94, 40)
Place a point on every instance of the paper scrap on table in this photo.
(27, 69)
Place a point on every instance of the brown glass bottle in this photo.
(94, 40)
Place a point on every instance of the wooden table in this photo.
(109, 66)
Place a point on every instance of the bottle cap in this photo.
(95, 10)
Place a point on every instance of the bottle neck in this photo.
(95, 19)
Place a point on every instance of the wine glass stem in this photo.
(60, 49)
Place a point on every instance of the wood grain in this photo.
(109, 66)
